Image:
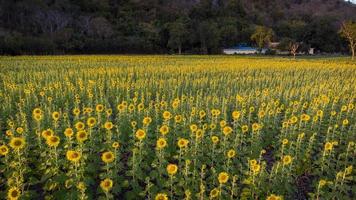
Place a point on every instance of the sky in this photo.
(353, 1)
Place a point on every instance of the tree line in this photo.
(167, 26)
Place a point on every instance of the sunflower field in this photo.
(177, 127)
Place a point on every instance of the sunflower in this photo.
(285, 124)
(178, 118)
(214, 193)
(81, 186)
(183, 143)
(215, 112)
(256, 127)
(348, 170)
(55, 116)
(4, 150)
(333, 113)
(91, 121)
(320, 113)
(172, 169)
(199, 133)
(215, 139)
(53, 141)
(193, 127)
(82, 136)
(175, 104)
(68, 132)
(161, 196)
(164, 129)
(76, 111)
(47, 133)
(345, 122)
(305, 117)
(161, 143)
(202, 114)
(223, 177)
(140, 134)
(73, 156)
(301, 136)
(236, 115)
(17, 143)
(328, 146)
(120, 107)
(79, 126)
(273, 197)
(131, 107)
(115, 145)
(252, 162)
(167, 115)
(261, 114)
(256, 168)
(212, 126)
(227, 130)
(287, 159)
(108, 112)
(285, 141)
(108, 125)
(223, 123)
(19, 130)
(244, 128)
(68, 183)
(106, 184)
(99, 108)
(11, 124)
(37, 117)
(231, 153)
(294, 119)
(37, 111)
(8, 132)
(322, 182)
(13, 193)
(147, 120)
(108, 157)
(140, 106)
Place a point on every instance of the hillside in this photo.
(157, 26)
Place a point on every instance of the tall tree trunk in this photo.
(353, 53)
(179, 49)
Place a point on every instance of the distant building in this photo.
(273, 45)
(311, 51)
(242, 49)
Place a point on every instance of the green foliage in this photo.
(348, 31)
(262, 36)
(152, 26)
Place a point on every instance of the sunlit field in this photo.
(177, 127)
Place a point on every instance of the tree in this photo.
(262, 36)
(100, 27)
(177, 34)
(293, 47)
(348, 31)
(228, 31)
(288, 44)
(322, 34)
(209, 36)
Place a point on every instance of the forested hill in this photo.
(163, 26)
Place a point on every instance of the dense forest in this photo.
(165, 26)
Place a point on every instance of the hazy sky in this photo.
(353, 1)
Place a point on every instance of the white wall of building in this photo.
(238, 51)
